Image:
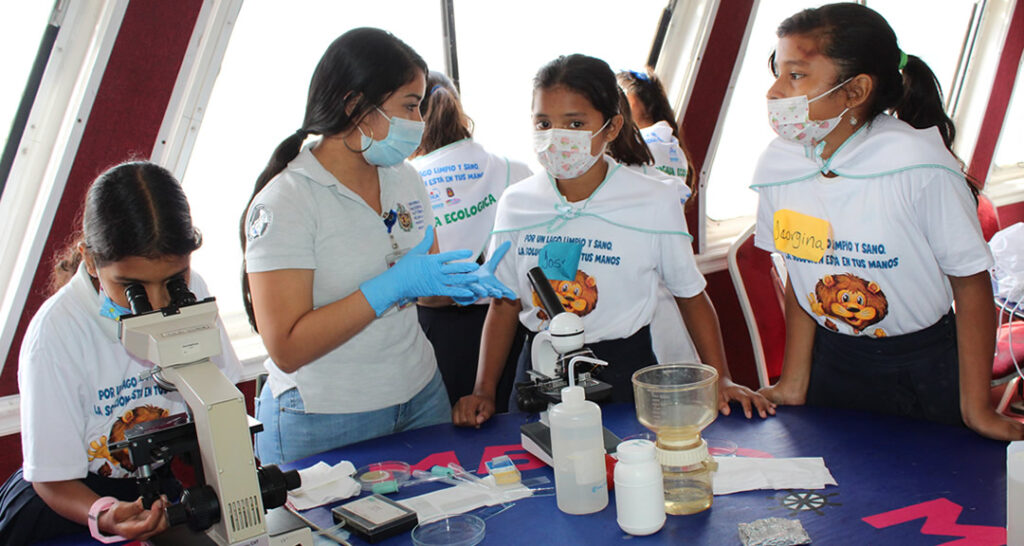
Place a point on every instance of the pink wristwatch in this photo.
(101, 505)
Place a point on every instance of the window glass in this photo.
(497, 62)
(935, 35)
(259, 99)
(21, 28)
(259, 96)
(1010, 151)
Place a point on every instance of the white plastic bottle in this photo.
(577, 448)
(1015, 493)
(639, 490)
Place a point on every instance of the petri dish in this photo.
(458, 530)
(383, 471)
(720, 447)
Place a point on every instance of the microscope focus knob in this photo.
(275, 484)
(199, 507)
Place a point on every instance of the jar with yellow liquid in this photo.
(676, 402)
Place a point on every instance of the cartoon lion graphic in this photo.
(577, 296)
(851, 299)
(98, 448)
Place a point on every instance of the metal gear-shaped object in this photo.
(804, 501)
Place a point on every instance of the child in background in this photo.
(657, 123)
(645, 100)
(604, 236)
(890, 234)
(136, 228)
(464, 182)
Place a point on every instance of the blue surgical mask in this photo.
(403, 138)
(110, 309)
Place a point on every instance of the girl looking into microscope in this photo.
(79, 387)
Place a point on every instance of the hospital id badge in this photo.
(391, 260)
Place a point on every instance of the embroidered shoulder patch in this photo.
(259, 222)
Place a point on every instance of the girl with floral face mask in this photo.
(605, 237)
(889, 234)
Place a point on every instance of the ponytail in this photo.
(65, 265)
(629, 147)
(285, 152)
(921, 104)
(355, 75)
(442, 113)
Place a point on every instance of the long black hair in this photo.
(133, 209)
(358, 72)
(595, 80)
(443, 116)
(860, 41)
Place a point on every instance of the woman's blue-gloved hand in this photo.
(419, 274)
(487, 282)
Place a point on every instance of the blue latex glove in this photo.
(419, 274)
(487, 282)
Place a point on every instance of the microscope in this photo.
(552, 353)
(233, 494)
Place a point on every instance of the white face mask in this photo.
(565, 153)
(790, 118)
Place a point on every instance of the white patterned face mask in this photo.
(565, 153)
(790, 118)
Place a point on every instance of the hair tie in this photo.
(640, 75)
(903, 60)
(301, 131)
(435, 88)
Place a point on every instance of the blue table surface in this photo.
(901, 472)
(900, 481)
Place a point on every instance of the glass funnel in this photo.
(676, 401)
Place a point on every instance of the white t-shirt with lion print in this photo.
(895, 235)
(604, 255)
(80, 389)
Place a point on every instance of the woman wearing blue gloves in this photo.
(337, 240)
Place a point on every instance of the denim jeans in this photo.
(289, 433)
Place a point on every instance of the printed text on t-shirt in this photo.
(594, 250)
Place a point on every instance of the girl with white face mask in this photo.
(338, 240)
(604, 236)
(879, 228)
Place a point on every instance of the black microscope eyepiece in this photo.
(137, 299)
(178, 290)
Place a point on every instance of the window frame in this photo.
(46, 151)
(49, 144)
(974, 80)
(690, 31)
